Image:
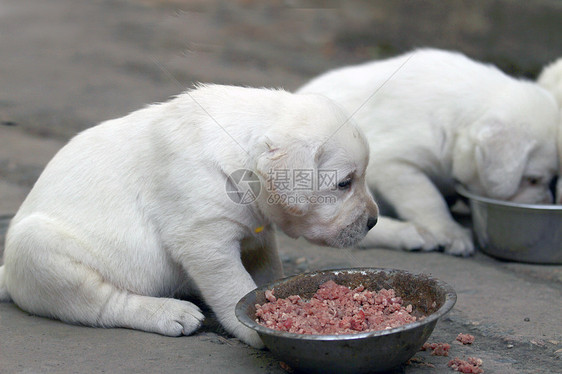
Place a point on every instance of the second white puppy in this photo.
(551, 79)
(140, 211)
(434, 118)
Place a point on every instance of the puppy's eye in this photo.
(533, 181)
(345, 184)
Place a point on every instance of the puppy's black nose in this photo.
(371, 222)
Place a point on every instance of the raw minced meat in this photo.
(335, 309)
(465, 338)
(437, 349)
(470, 366)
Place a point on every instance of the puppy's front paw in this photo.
(392, 233)
(453, 239)
(410, 236)
(414, 238)
(459, 243)
(248, 336)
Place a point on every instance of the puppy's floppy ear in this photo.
(284, 166)
(501, 153)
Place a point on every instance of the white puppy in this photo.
(142, 210)
(434, 118)
(551, 79)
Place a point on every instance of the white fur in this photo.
(4, 295)
(133, 214)
(434, 118)
(551, 79)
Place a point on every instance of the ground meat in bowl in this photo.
(334, 310)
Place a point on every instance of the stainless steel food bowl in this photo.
(354, 353)
(517, 232)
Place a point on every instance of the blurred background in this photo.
(66, 65)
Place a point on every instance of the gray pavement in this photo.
(66, 65)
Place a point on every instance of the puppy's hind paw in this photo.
(183, 318)
(169, 317)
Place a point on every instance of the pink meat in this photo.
(465, 338)
(335, 309)
(470, 366)
(437, 349)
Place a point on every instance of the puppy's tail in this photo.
(4, 295)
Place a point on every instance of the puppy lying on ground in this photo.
(434, 118)
(140, 211)
(551, 79)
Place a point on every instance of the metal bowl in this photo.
(353, 353)
(517, 232)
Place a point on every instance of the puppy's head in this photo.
(510, 152)
(313, 167)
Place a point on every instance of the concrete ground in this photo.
(68, 65)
